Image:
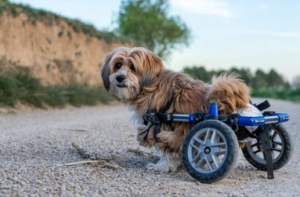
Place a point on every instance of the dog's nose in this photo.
(120, 78)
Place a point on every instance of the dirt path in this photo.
(32, 144)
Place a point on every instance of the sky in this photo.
(255, 34)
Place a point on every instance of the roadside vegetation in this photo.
(262, 84)
(17, 85)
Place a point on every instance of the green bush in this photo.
(8, 89)
(277, 92)
(20, 86)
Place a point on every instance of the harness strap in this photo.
(156, 120)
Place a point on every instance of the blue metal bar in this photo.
(242, 120)
(213, 110)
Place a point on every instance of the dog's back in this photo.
(230, 92)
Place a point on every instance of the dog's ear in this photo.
(154, 63)
(150, 63)
(105, 70)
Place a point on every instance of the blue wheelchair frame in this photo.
(234, 120)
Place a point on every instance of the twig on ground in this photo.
(84, 153)
(79, 162)
(138, 150)
(111, 164)
(78, 130)
(102, 162)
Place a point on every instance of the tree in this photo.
(148, 24)
(296, 81)
(260, 79)
(275, 79)
(198, 73)
(245, 74)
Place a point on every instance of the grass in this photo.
(51, 19)
(19, 86)
(278, 93)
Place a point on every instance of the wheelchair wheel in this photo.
(282, 149)
(210, 151)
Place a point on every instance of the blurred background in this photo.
(51, 51)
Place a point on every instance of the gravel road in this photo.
(33, 143)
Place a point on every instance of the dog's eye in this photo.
(118, 65)
(132, 67)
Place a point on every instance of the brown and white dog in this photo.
(138, 78)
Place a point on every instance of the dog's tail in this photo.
(230, 92)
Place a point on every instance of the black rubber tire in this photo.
(288, 149)
(230, 160)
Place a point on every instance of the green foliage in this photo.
(262, 84)
(51, 19)
(199, 73)
(277, 92)
(148, 24)
(8, 89)
(260, 79)
(20, 86)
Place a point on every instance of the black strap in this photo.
(157, 119)
(153, 119)
(264, 105)
(146, 131)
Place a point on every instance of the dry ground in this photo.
(33, 143)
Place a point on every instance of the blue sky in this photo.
(261, 34)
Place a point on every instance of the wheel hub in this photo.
(207, 150)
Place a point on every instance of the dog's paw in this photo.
(157, 167)
(165, 164)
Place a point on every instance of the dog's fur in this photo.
(147, 85)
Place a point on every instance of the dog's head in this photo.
(126, 70)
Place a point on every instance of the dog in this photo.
(138, 78)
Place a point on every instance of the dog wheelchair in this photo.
(210, 149)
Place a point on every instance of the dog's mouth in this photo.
(121, 85)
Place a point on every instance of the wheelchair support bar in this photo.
(242, 120)
(264, 136)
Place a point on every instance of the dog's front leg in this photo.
(169, 161)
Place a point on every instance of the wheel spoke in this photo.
(277, 149)
(257, 151)
(213, 137)
(216, 161)
(195, 147)
(274, 135)
(198, 140)
(277, 142)
(252, 145)
(200, 162)
(218, 144)
(208, 164)
(206, 137)
(220, 152)
(197, 156)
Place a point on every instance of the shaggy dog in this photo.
(138, 78)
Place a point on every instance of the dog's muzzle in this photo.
(120, 79)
